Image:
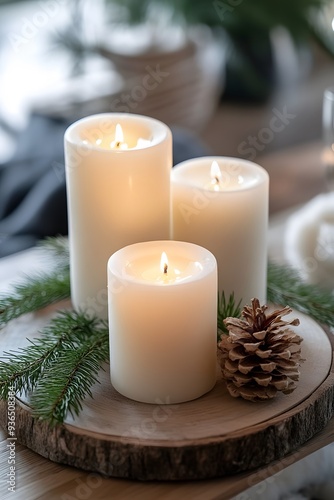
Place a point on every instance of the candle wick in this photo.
(165, 268)
(217, 180)
(118, 143)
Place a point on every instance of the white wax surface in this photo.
(229, 219)
(116, 196)
(163, 329)
(147, 269)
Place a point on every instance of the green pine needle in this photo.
(226, 309)
(72, 343)
(62, 390)
(286, 288)
(34, 293)
(57, 248)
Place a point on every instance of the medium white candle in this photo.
(163, 321)
(118, 190)
(222, 204)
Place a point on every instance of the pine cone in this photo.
(260, 356)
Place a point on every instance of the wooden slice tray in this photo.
(213, 436)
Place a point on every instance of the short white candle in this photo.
(118, 189)
(222, 204)
(163, 321)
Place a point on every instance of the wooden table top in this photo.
(296, 176)
(38, 479)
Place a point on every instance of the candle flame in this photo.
(164, 263)
(118, 143)
(216, 174)
(119, 136)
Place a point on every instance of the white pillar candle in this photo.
(118, 190)
(222, 204)
(163, 321)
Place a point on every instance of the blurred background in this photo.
(234, 78)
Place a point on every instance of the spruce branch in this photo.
(58, 248)
(21, 370)
(286, 287)
(34, 293)
(63, 389)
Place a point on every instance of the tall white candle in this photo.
(163, 321)
(118, 190)
(222, 204)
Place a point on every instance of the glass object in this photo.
(328, 134)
